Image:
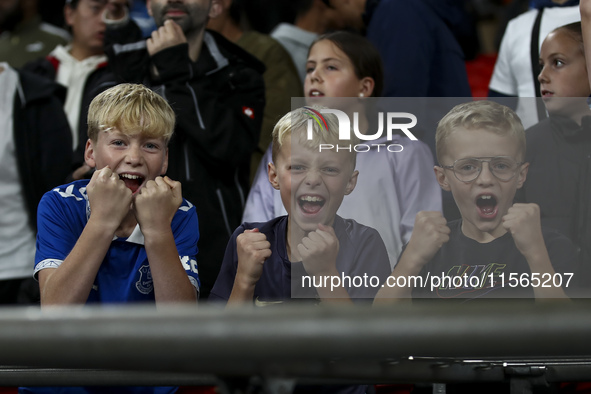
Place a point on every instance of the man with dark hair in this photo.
(217, 92)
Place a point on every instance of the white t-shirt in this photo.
(512, 75)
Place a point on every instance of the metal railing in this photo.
(187, 345)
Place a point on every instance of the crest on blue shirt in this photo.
(145, 285)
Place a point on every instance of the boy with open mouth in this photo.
(497, 249)
(126, 235)
(267, 262)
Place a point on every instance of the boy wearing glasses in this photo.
(497, 249)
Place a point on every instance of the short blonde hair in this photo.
(132, 109)
(481, 115)
(325, 130)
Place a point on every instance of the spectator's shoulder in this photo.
(58, 34)
(537, 133)
(72, 195)
(187, 207)
(35, 87)
(524, 19)
(44, 66)
(263, 47)
(218, 45)
(547, 133)
(271, 226)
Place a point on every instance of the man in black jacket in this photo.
(217, 92)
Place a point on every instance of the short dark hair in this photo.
(365, 58)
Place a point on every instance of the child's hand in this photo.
(523, 222)
(429, 234)
(253, 249)
(167, 35)
(156, 203)
(108, 197)
(319, 251)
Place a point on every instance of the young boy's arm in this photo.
(154, 208)
(523, 222)
(429, 234)
(252, 249)
(319, 251)
(72, 281)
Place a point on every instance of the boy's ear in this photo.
(149, 7)
(272, 174)
(352, 183)
(522, 175)
(89, 154)
(366, 86)
(441, 178)
(165, 163)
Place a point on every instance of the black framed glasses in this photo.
(503, 168)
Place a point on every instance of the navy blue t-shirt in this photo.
(362, 255)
